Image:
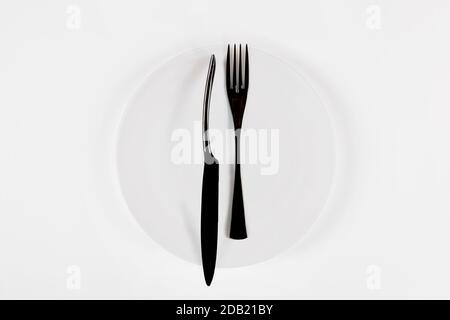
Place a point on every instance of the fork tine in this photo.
(246, 67)
(228, 70)
(241, 82)
(235, 83)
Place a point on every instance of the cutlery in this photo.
(210, 188)
(237, 87)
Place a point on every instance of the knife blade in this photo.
(210, 188)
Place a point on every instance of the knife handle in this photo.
(209, 218)
(238, 229)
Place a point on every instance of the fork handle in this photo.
(238, 229)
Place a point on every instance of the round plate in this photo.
(287, 156)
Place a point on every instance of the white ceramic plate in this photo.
(284, 191)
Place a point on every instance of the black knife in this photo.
(210, 188)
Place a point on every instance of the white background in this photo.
(63, 86)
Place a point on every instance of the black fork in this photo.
(237, 88)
